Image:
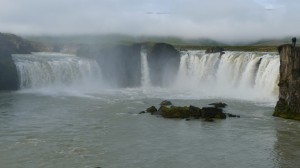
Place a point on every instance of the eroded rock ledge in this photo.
(168, 110)
(11, 44)
(288, 105)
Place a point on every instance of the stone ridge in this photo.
(288, 105)
(11, 44)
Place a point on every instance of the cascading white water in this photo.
(242, 75)
(53, 69)
(234, 74)
(145, 78)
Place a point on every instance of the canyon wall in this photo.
(288, 105)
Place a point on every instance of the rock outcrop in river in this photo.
(167, 110)
(288, 105)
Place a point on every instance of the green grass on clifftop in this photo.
(230, 48)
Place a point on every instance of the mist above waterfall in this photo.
(58, 72)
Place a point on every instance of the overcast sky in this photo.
(217, 19)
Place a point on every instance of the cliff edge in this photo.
(11, 44)
(288, 105)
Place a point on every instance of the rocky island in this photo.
(209, 113)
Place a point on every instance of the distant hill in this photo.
(272, 42)
(110, 39)
(72, 43)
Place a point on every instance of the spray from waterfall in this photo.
(40, 70)
(244, 75)
(240, 75)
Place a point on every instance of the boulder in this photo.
(195, 112)
(212, 112)
(233, 115)
(151, 109)
(175, 111)
(166, 103)
(167, 110)
(219, 105)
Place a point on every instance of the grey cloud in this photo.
(230, 20)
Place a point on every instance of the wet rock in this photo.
(233, 115)
(195, 112)
(213, 112)
(167, 110)
(142, 112)
(174, 111)
(219, 105)
(166, 103)
(151, 109)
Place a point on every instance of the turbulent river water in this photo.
(67, 115)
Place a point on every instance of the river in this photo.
(61, 123)
(40, 130)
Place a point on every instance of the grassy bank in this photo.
(230, 48)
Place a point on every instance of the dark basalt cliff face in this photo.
(120, 64)
(288, 105)
(11, 44)
(163, 61)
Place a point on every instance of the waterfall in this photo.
(145, 78)
(53, 69)
(241, 75)
(234, 74)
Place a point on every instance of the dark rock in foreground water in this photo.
(167, 110)
(174, 112)
(218, 105)
(233, 115)
(213, 112)
(195, 112)
(151, 109)
(166, 103)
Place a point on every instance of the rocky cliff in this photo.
(163, 61)
(288, 105)
(11, 44)
(121, 64)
